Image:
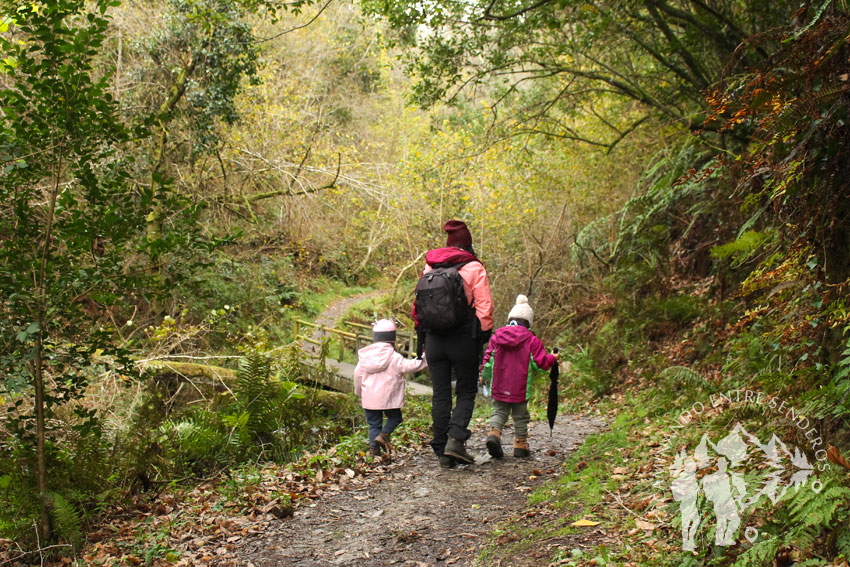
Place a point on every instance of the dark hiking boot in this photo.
(383, 441)
(447, 462)
(375, 451)
(494, 443)
(521, 449)
(456, 449)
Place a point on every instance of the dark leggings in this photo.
(458, 352)
(375, 419)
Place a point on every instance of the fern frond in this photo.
(66, 518)
(199, 438)
(255, 396)
(683, 376)
(760, 554)
(842, 540)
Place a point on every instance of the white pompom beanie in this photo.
(522, 310)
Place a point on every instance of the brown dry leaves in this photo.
(208, 523)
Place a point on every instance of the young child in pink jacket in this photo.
(513, 353)
(379, 382)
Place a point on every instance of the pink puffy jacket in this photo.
(379, 376)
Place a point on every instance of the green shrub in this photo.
(586, 374)
(742, 248)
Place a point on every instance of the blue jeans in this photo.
(375, 419)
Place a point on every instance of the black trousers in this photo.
(459, 352)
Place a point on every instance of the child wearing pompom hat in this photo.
(513, 353)
(379, 382)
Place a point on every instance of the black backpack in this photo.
(441, 303)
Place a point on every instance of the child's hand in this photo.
(557, 356)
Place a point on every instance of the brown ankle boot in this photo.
(383, 441)
(521, 449)
(494, 443)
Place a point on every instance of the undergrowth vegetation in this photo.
(721, 314)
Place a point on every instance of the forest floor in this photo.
(414, 513)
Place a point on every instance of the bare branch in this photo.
(290, 30)
(502, 17)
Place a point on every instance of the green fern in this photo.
(66, 519)
(742, 248)
(255, 396)
(814, 513)
(683, 376)
(799, 111)
(198, 437)
(842, 540)
(760, 554)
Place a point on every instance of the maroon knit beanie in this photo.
(458, 234)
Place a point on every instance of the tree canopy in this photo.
(558, 61)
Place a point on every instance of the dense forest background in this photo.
(182, 179)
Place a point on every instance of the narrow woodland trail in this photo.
(414, 513)
(332, 315)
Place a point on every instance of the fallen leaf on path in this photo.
(644, 525)
(834, 456)
(585, 523)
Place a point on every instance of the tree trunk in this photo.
(166, 112)
(41, 309)
(40, 433)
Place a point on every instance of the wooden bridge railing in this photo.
(405, 340)
(359, 336)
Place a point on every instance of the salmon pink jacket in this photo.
(474, 276)
(379, 376)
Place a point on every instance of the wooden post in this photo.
(297, 330)
(410, 349)
(341, 348)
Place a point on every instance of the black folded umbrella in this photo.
(552, 406)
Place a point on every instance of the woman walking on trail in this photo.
(453, 314)
(379, 382)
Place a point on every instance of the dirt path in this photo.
(331, 316)
(415, 513)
